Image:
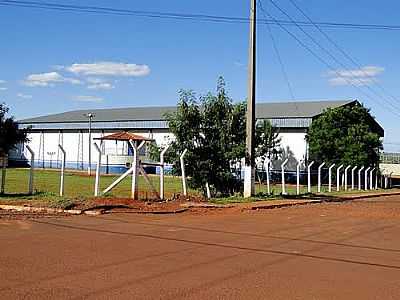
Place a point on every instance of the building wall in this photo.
(114, 153)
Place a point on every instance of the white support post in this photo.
(298, 179)
(338, 178)
(309, 177)
(319, 176)
(3, 174)
(330, 178)
(283, 176)
(116, 182)
(366, 178)
(183, 172)
(352, 177)
(376, 179)
(359, 177)
(63, 154)
(346, 177)
(267, 164)
(162, 166)
(208, 191)
(31, 169)
(371, 179)
(97, 180)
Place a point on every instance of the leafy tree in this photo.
(10, 135)
(212, 128)
(267, 141)
(344, 135)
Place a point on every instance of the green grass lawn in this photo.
(80, 186)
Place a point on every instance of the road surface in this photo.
(324, 251)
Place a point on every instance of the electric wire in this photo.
(344, 53)
(320, 59)
(337, 61)
(180, 16)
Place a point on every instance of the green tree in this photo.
(212, 128)
(10, 135)
(344, 135)
(267, 141)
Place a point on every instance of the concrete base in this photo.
(249, 177)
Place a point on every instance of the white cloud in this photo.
(101, 86)
(2, 81)
(23, 96)
(108, 68)
(358, 77)
(94, 99)
(48, 79)
(2, 88)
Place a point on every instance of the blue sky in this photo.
(55, 61)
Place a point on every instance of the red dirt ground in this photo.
(347, 250)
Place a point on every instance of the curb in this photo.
(282, 205)
(40, 209)
(360, 197)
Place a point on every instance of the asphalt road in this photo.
(328, 251)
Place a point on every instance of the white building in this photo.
(71, 129)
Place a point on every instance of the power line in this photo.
(344, 53)
(320, 59)
(283, 69)
(190, 17)
(337, 61)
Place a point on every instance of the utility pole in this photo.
(249, 171)
(90, 116)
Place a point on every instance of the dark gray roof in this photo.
(263, 111)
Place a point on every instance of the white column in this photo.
(267, 164)
(183, 172)
(31, 170)
(319, 176)
(371, 179)
(63, 159)
(366, 178)
(330, 178)
(298, 179)
(283, 176)
(345, 177)
(377, 179)
(338, 178)
(97, 180)
(162, 166)
(359, 177)
(309, 176)
(134, 188)
(352, 177)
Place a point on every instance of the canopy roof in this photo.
(123, 136)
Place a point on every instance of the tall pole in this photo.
(90, 116)
(249, 172)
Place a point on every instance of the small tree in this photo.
(344, 135)
(10, 135)
(267, 141)
(212, 128)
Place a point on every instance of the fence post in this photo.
(352, 177)
(309, 176)
(338, 178)
(97, 180)
(267, 163)
(377, 179)
(183, 172)
(283, 176)
(366, 178)
(298, 179)
(319, 176)
(330, 178)
(359, 177)
(62, 170)
(345, 177)
(162, 165)
(371, 179)
(3, 174)
(30, 189)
